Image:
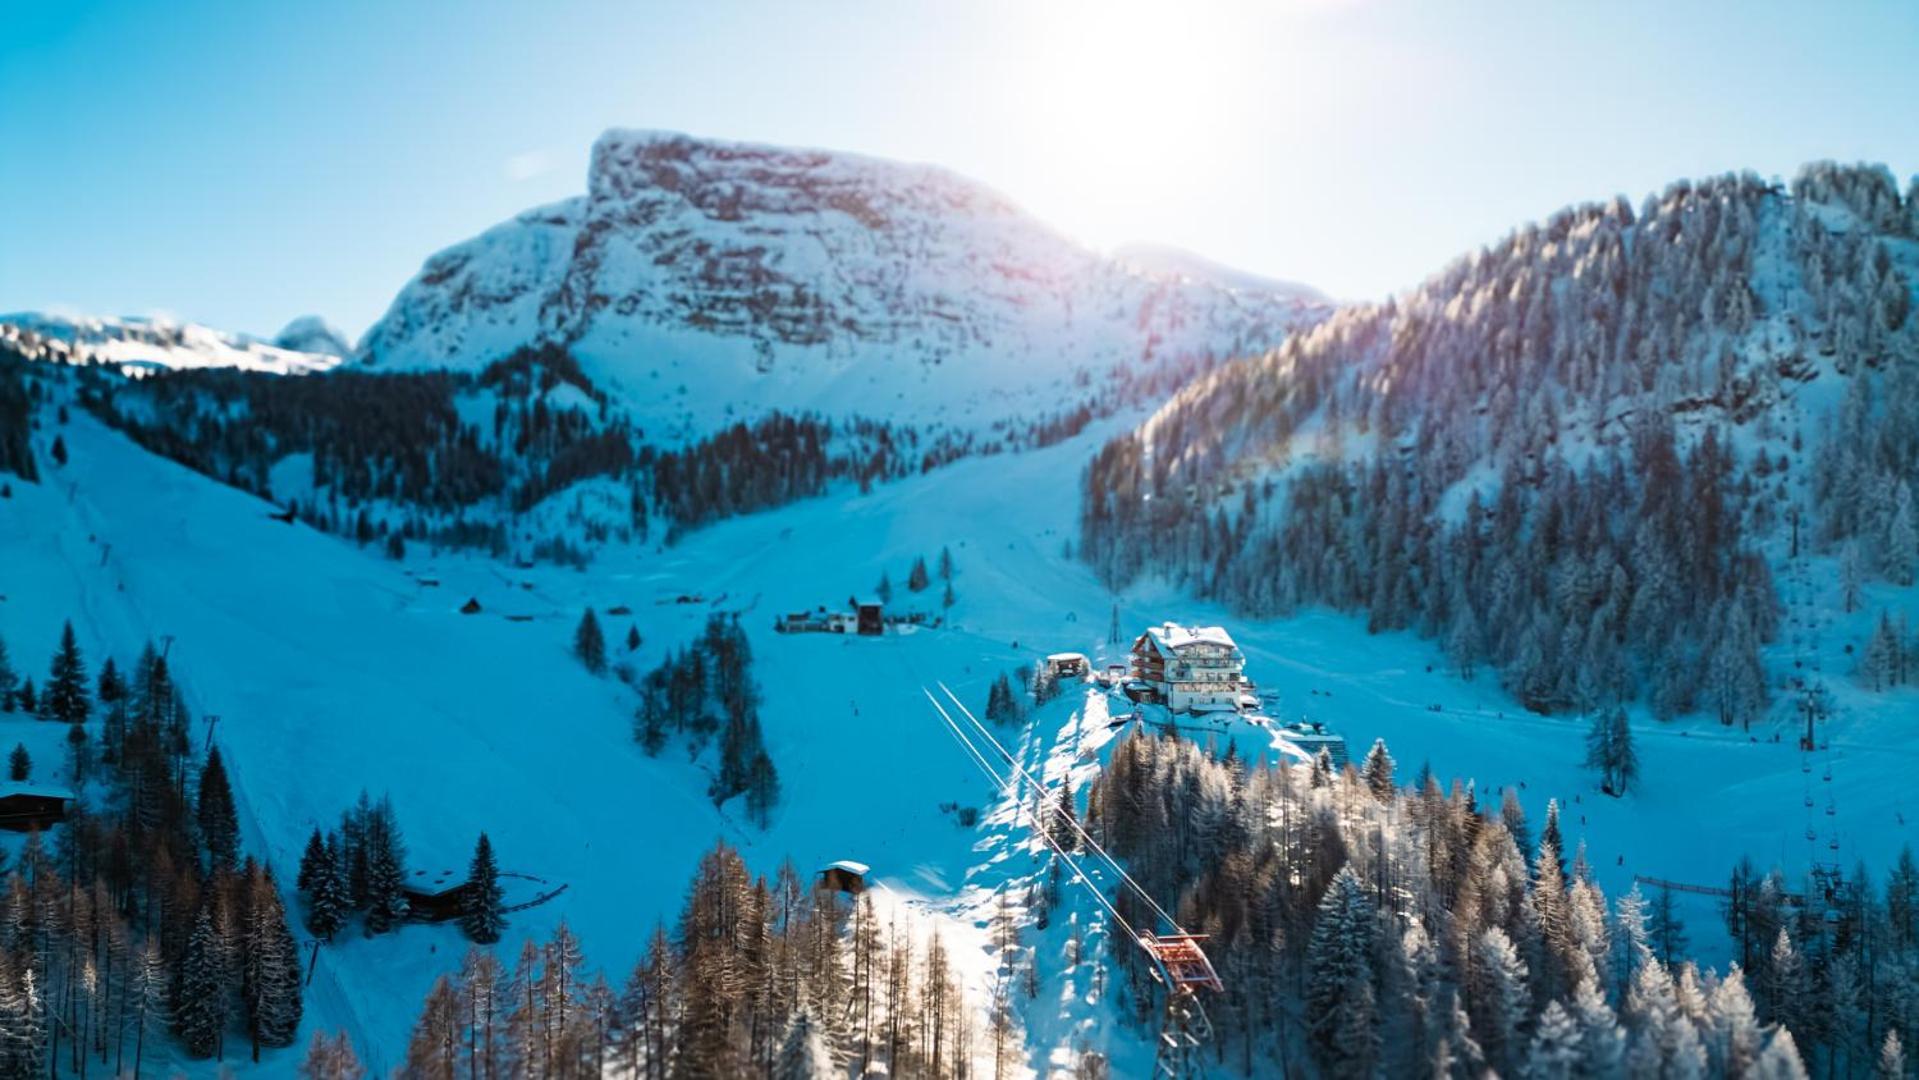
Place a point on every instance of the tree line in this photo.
(1363, 927)
(754, 978)
(146, 916)
(1560, 456)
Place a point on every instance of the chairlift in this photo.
(1833, 843)
(1808, 802)
(1811, 835)
(1831, 810)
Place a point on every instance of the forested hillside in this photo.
(1379, 929)
(1575, 457)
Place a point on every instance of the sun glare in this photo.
(1126, 100)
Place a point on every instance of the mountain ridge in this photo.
(838, 282)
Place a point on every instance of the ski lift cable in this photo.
(1079, 829)
(1019, 805)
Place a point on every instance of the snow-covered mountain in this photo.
(138, 342)
(313, 334)
(706, 278)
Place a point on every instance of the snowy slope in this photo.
(335, 669)
(136, 343)
(710, 277)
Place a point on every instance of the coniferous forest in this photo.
(1568, 459)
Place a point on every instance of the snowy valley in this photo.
(1653, 464)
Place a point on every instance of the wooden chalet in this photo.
(869, 618)
(844, 876)
(24, 808)
(435, 896)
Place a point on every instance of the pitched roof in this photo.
(1173, 637)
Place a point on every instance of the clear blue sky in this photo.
(242, 163)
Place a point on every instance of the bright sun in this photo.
(1128, 99)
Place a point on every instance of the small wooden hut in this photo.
(844, 876)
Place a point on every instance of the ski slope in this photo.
(334, 669)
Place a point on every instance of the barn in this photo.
(24, 808)
(844, 876)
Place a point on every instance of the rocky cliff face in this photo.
(702, 275)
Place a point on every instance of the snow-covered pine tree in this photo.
(66, 696)
(1341, 1014)
(1377, 771)
(328, 904)
(917, 578)
(203, 989)
(271, 980)
(482, 920)
(804, 1054)
(385, 870)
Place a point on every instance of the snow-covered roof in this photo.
(1066, 656)
(849, 866)
(41, 790)
(1173, 637)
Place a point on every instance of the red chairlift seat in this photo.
(1184, 962)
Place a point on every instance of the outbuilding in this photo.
(870, 618)
(435, 896)
(1068, 665)
(844, 876)
(24, 807)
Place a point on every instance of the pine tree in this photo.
(328, 901)
(271, 980)
(385, 871)
(312, 860)
(19, 763)
(589, 645)
(632, 639)
(1377, 771)
(482, 920)
(1341, 1016)
(946, 564)
(219, 821)
(884, 590)
(803, 1052)
(200, 999)
(66, 696)
(917, 578)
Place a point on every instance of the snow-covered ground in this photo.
(138, 344)
(333, 669)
